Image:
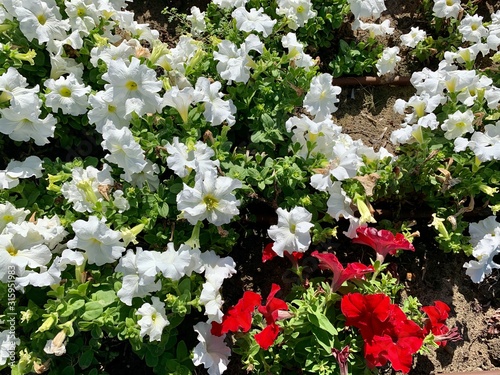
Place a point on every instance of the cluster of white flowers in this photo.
(485, 237)
(434, 89)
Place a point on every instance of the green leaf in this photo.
(163, 209)
(104, 297)
(93, 310)
(68, 370)
(86, 359)
(321, 321)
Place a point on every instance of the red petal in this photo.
(268, 335)
(240, 315)
(268, 252)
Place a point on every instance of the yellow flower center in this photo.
(293, 228)
(449, 3)
(461, 125)
(210, 202)
(41, 19)
(300, 9)
(474, 27)
(64, 91)
(8, 218)
(80, 12)
(111, 108)
(11, 250)
(131, 85)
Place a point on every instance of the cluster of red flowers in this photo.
(388, 334)
(240, 316)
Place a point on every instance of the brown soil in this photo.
(429, 274)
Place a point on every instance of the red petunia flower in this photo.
(355, 270)
(239, 316)
(382, 241)
(273, 310)
(436, 323)
(388, 334)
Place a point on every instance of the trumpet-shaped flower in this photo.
(217, 269)
(414, 37)
(292, 232)
(14, 86)
(234, 63)
(472, 29)
(82, 16)
(135, 86)
(458, 124)
(339, 203)
(297, 12)
(355, 270)
(37, 19)
(446, 8)
(10, 214)
(21, 121)
(124, 149)
(367, 8)
(84, 189)
(211, 198)
(134, 283)
(211, 352)
(375, 29)
(255, 20)
(211, 298)
(228, 4)
(8, 343)
(217, 110)
(296, 51)
(181, 100)
(182, 158)
(30, 167)
(484, 252)
(109, 52)
(388, 60)
(321, 98)
(101, 244)
(153, 319)
(103, 111)
(67, 94)
(382, 241)
(197, 19)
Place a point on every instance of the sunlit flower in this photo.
(104, 111)
(458, 123)
(321, 98)
(211, 198)
(292, 232)
(197, 19)
(67, 94)
(8, 343)
(153, 319)
(446, 8)
(84, 189)
(211, 298)
(376, 29)
(211, 352)
(217, 110)
(38, 20)
(414, 37)
(182, 158)
(10, 214)
(82, 16)
(135, 86)
(296, 51)
(472, 29)
(101, 244)
(56, 345)
(297, 12)
(181, 100)
(367, 8)
(388, 60)
(255, 20)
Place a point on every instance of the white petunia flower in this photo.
(486, 146)
(484, 252)
(483, 227)
(60, 65)
(211, 352)
(84, 189)
(109, 52)
(292, 232)
(339, 204)
(387, 62)
(472, 29)
(367, 8)
(103, 111)
(211, 298)
(67, 94)
(147, 177)
(234, 63)
(228, 4)
(375, 29)
(101, 244)
(197, 19)
(297, 12)
(139, 31)
(21, 121)
(8, 343)
(82, 15)
(296, 51)
(10, 214)
(255, 20)
(217, 110)
(458, 124)
(39, 20)
(30, 167)
(446, 8)
(321, 98)
(211, 198)
(14, 86)
(414, 37)
(134, 282)
(153, 319)
(181, 100)
(124, 149)
(217, 269)
(182, 159)
(56, 345)
(134, 86)
(120, 202)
